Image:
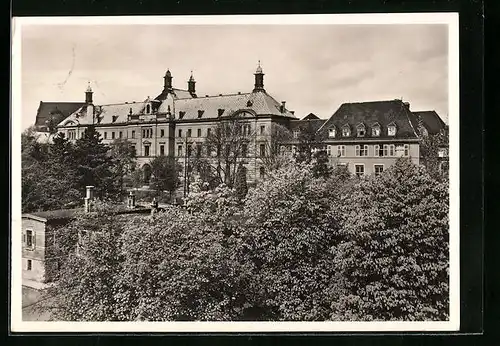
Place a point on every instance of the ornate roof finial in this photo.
(89, 88)
(168, 74)
(259, 69)
(191, 78)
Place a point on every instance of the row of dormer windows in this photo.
(376, 131)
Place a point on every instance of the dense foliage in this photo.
(299, 246)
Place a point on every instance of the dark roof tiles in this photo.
(58, 110)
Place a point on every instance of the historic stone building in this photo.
(177, 121)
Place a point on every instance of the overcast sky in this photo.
(314, 68)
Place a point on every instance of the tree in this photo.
(165, 175)
(123, 153)
(95, 165)
(241, 182)
(308, 140)
(276, 157)
(394, 252)
(320, 166)
(228, 142)
(429, 153)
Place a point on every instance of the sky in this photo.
(314, 68)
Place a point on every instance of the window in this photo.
(162, 150)
(329, 150)
(200, 113)
(391, 130)
(133, 149)
(198, 149)
(179, 150)
(244, 150)
(162, 133)
(180, 133)
(406, 150)
(121, 134)
(208, 132)
(220, 112)
(331, 133)
(296, 133)
(361, 130)
(378, 169)
(113, 135)
(379, 150)
(189, 133)
(359, 170)
(361, 150)
(181, 114)
(105, 135)
(346, 131)
(148, 109)
(199, 133)
(30, 239)
(262, 150)
(147, 132)
(391, 150)
(113, 118)
(376, 131)
(262, 129)
(29, 265)
(133, 134)
(146, 150)
(341, 150)
(262, 172)
(189, 150)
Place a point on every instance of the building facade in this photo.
(177, 121)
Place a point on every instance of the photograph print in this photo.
(251, 173)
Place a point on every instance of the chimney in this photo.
(407, 105)
(191, 85)
(88, 198)
(282, 107)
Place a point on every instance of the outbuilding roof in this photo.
(431, 121)
(56, 110)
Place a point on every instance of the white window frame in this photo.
(391, 130)
(360, 129)
(357, 150)
(376, 149)
(340, 150)
(33, 239)
(392, 150)
(406, 150)
(378, 164)
(329, 150)
(356, 165)
(363, 149)
(332, 132)
(376, 131)
(346, 131)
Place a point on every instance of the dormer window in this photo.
(200, 113)
(376, 130)
(220, 111)
(148, 109)
(361, 130)
(181, 114)
(346, 131)
(332, 132)
(249, 103)
(114, 118)
(391, 130)
(296, 133)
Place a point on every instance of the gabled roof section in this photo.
(177, 94)
(381, 112)
(431, 121)
(260, 104)
(58, 110)
(310, 116)
(105, 114)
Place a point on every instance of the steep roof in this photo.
(50, 215)
(59, 110)
(177, 93)
(369, 113)
(310, 116)
(431, 121)
(261, 103)
(304, 123)
(105, 113)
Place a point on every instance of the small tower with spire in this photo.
(88, 95)
(191, 85)
(259, 79)
(167, 84)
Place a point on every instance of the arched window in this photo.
(148, 109)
